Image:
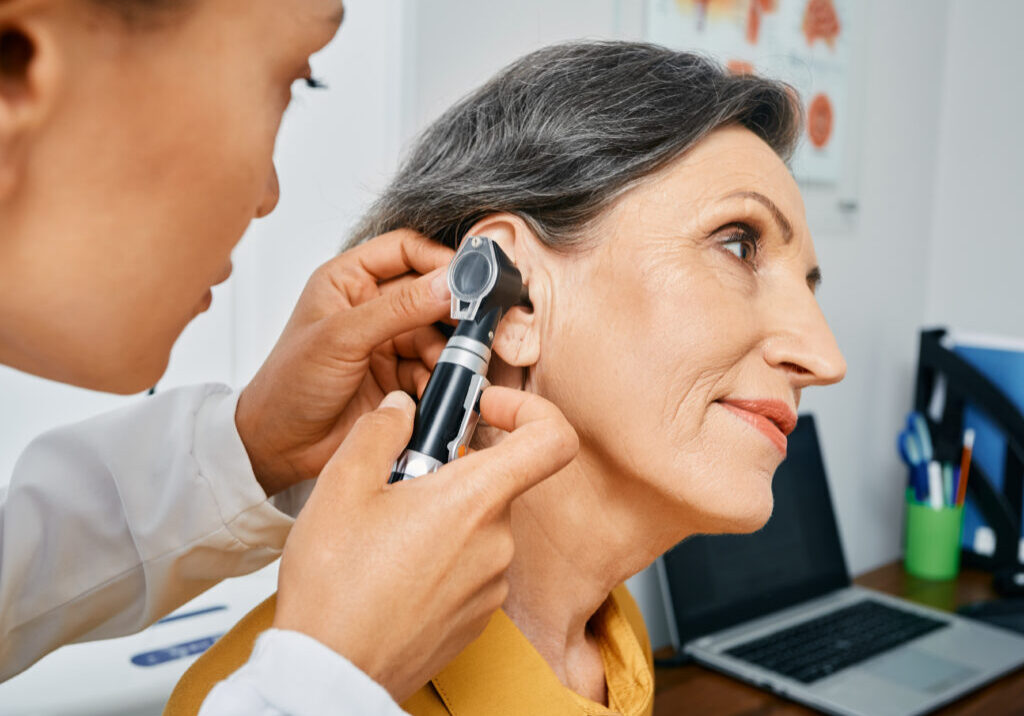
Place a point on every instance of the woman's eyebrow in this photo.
(780, 218)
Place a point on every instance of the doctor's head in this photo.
(136, 143)
(645, 197)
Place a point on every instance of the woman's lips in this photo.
(773, 418)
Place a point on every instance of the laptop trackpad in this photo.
(919, 670)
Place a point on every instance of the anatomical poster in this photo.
(803, 42)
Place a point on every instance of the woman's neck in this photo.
(578, 535)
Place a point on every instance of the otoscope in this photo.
(484, 284)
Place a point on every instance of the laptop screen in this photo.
(717, 581)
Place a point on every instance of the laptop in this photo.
(777, 609)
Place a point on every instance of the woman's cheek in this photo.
(685, 411)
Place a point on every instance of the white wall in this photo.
(455, 45)
(977, 250)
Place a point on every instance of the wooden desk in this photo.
(693, 689)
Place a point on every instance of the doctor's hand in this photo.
(399, 578)
(361, 329)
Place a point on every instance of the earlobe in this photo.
(517, 340)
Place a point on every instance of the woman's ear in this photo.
(28, 83)
(517, 340)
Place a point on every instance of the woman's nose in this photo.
(270, 195)
(803, 344)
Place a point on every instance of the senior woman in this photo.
(644, 195)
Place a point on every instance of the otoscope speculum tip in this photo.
(482, 277)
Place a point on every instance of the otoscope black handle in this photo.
(446, 415)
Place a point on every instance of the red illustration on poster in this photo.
(821, 22)
(805, 43)
(819, 120)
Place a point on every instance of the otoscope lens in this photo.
(471, 274)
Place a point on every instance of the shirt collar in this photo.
(502, 673)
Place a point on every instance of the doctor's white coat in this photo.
(111, 524)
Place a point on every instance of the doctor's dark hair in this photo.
(559, 134)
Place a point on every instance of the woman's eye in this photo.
(742, 243)
(740, 248)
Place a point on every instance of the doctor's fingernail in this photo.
(395, 399)
(439, 284)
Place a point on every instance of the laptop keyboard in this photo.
(822, 646)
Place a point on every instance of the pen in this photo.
(947, 484)
(919, 426)
(965, 465)
(935, 484)
(911, 451)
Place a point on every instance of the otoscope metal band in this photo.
(468, 344)
(459, 356)
(415, 464)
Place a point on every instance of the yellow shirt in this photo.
(499, 673)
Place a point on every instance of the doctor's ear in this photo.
(27, 85)
(517, 341)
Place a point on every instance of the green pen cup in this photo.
(932, 540)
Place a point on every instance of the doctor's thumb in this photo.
(376, 440)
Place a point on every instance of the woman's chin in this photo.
(741, 510)
(752, 520)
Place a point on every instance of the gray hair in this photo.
(559, 134)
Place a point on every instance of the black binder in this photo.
(964, 384)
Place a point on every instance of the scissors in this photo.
(915, 447)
